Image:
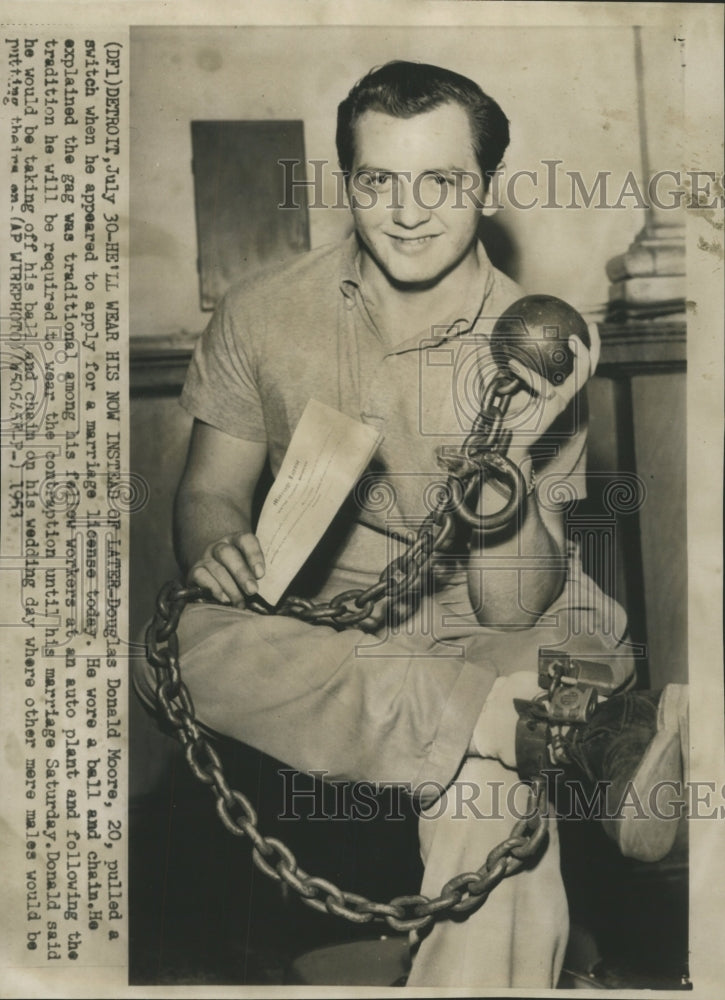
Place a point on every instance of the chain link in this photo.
(483, 452)
(460, 895)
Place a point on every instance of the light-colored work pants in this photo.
(400, 707)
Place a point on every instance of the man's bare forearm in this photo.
(213, 540)
(514, 577)
(202, 517)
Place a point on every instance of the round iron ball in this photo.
(535, 331)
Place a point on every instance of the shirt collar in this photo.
(350, 279)
(471, 308)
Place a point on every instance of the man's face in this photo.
(415, 192)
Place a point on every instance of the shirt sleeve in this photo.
(220, 386)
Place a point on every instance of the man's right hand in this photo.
(212, 514)
(230, 568)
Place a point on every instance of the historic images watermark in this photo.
(318, 184)
(313, 796)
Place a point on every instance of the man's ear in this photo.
(492, 200)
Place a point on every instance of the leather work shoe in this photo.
(633, 751)
(636, 745)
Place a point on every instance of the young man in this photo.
(391, 327)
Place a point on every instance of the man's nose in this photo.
(408, 208)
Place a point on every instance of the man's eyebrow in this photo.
(372, 169)
(452, 169)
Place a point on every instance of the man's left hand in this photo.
(532, 419)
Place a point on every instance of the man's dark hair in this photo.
(404, 89)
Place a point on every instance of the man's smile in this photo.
(408, 244)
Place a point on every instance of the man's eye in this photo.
(435, 181)
(374, 178)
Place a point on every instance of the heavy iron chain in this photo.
(483, 449)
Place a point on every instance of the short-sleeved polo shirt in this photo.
(306, 331)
